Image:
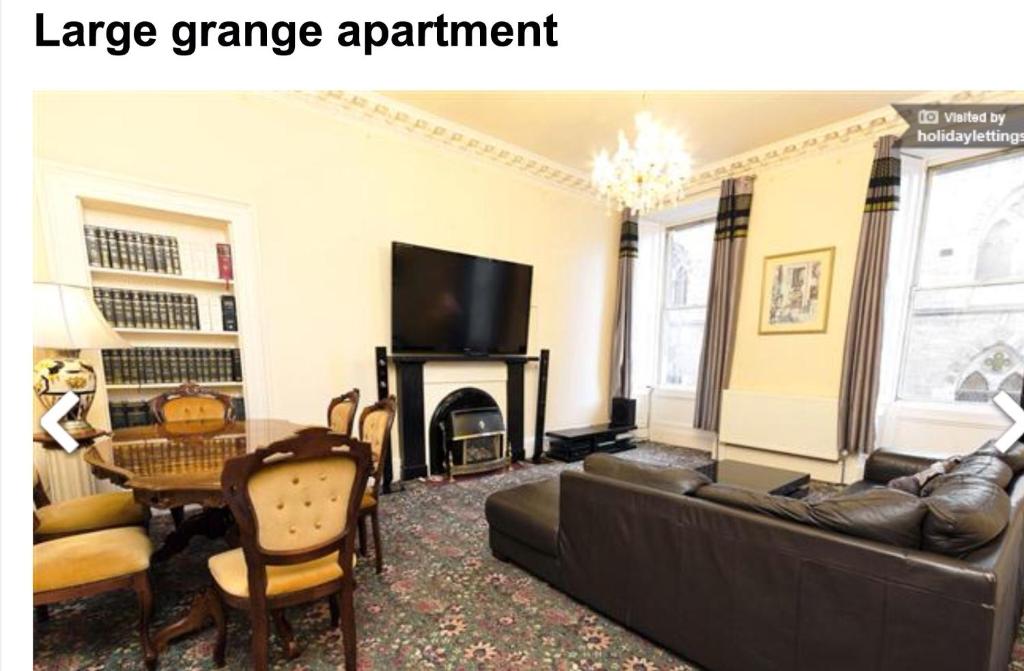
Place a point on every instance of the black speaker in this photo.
(542, 402)
(623, 411)
(380, 360)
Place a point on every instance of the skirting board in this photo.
(801, 426)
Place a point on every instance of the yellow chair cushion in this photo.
(91, 557)
(88, 513)
(231, 574)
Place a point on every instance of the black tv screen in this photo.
(450, 303)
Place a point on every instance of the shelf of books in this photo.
(165, 282)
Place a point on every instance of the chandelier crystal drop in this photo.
(647, 175)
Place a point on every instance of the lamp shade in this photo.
(65, 317)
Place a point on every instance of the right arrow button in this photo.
(1014, 412)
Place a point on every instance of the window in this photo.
(684, 302)
(965, 330)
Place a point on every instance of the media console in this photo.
(575, 444)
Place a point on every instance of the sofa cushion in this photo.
(528, 513)
(1013, 457)
(671, 479)
(964, 513)
(987, 465)
(878, 513)
(913, 483)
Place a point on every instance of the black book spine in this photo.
(103, 241)
(148, 310)
(176, 364)
(163, 311)
(92, 246)
(174, 305)
(175, 256)
(229, 314)
(135, 250)
(121, 241)
(148, 253)
(191, 369)
(131, 305)
(194, 312)
(114, 251)
(159, 259)
(166, 372)
(236, 365)
(118, 308)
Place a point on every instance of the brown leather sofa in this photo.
(733, 588)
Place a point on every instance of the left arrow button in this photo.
(49, 421)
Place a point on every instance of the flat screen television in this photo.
(450, 303)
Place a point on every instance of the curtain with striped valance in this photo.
(723, 299)
(858, 391)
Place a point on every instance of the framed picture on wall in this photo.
(795, 292)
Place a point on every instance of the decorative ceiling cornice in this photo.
(864, 127)
(384, 112)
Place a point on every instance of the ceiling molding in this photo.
(384, 112)
(863, 127)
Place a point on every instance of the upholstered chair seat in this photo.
(229, 572)
(369, 501)
(89, 557)
(89, 513)
(86, 564)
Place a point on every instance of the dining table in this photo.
(177, 464)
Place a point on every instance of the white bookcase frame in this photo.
(60, 193)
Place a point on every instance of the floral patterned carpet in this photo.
(442, 603)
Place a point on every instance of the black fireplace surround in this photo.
(411, 431)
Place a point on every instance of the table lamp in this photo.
(65, 318)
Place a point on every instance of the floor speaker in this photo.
(623, 411)
(380, 359)
(542, 402)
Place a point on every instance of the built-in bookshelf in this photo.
(165, 282)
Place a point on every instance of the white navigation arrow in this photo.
(1014, 412)
(49, 421)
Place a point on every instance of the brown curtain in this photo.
(622, 338)
(723, 299)
(858, 391)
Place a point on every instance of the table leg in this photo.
(211, 522)
(200, 613)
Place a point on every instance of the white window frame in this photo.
(898, 418)
(662, 297)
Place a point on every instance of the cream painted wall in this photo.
(329, 196)
(811, 203)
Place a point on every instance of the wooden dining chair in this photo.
(341, 412)
(296, 503)
(92, 563)
(375, 428)
(190, 401)
(86, 513)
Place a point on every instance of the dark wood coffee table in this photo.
(758, 478)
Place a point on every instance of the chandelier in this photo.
(647, 175)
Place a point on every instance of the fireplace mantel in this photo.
(412, 435)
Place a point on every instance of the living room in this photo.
(570, 395)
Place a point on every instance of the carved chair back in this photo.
(189, 402)
(375, 424)
(296, 500)
(341, 412)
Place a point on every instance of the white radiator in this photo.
(804, 426)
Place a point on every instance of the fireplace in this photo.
(467, 434)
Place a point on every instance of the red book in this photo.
(224, 268)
